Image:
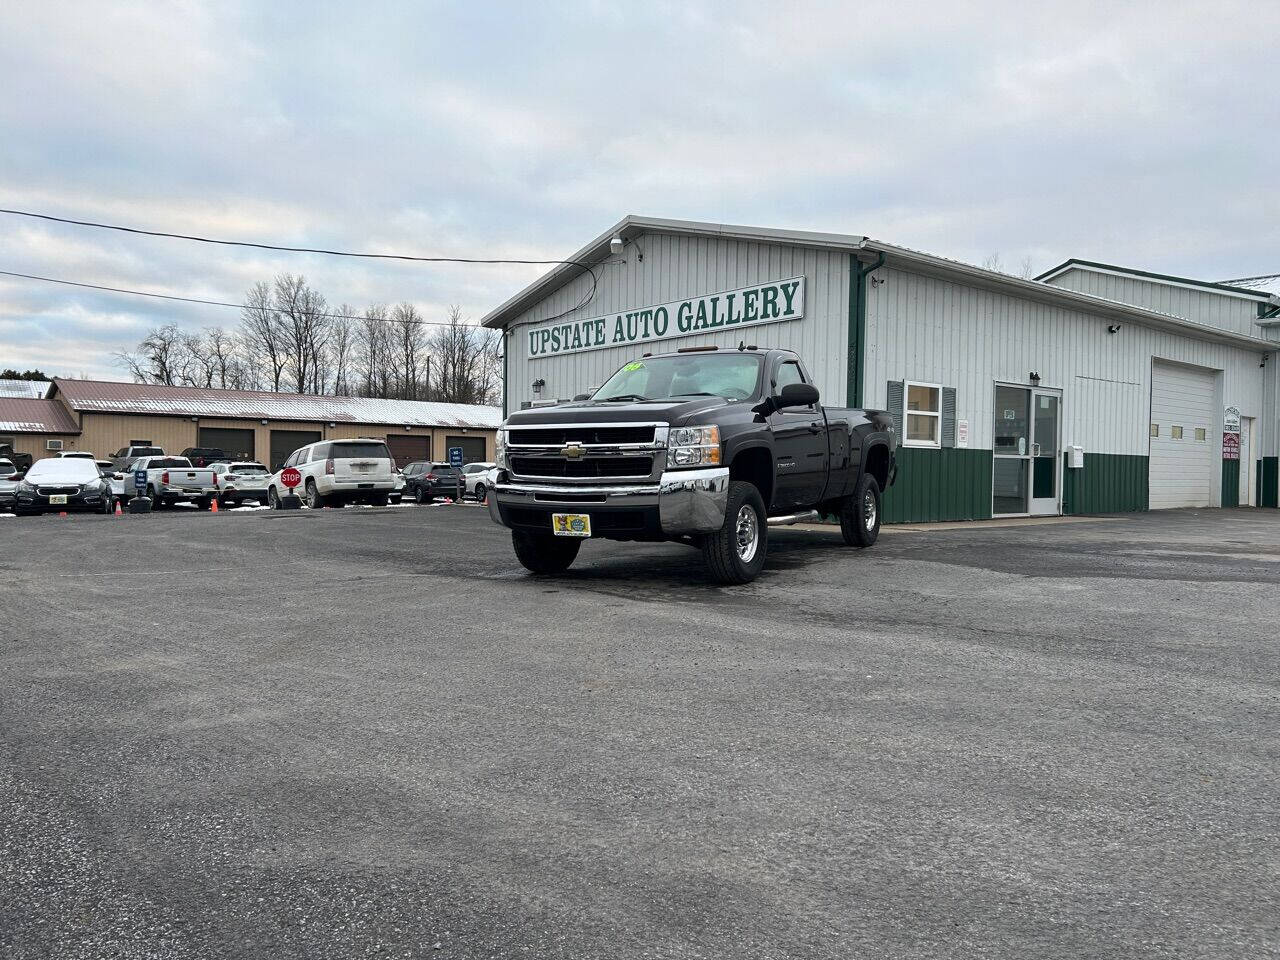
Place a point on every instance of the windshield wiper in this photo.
(625, 396)
(696, 393)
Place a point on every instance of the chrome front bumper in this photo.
(687, 501)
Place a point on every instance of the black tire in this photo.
(544, 553)
(273, 499)
(314, 499)
(860, 514)
(736, 552)
(156, 502)
(481, 492)
(379, 501)
(419, 497)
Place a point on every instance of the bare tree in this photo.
(1026, 270)
(304, 319)
(341, 342)
(262, 334)
(467, 363)
(373, 352)
(409, 352)
(993, 263)
(161, 357)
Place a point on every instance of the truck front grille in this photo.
(587, 467)
(560, 435)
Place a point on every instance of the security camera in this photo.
(1113, 328)
(615, 246)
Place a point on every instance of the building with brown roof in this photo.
(103, 417)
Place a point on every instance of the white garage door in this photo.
(1182, 438)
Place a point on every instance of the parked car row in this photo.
(333, 473)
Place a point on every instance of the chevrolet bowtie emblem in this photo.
(572, 451)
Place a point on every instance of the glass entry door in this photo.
(1026, 475)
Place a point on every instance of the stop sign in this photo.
(290, 477)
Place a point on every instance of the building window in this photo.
(1155, 429)
(924, 415)
(1176, 433)
(1200, 434)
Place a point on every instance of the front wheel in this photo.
(860, 514)
(481, 493)
(735, 553)
(544, 553)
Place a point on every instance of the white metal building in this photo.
(1168, 386)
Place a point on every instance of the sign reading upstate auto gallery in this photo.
(748, 306)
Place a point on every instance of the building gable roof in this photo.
(102, 396)
(1094, 266)
(31, 389)
(26, 415)
(867, 250)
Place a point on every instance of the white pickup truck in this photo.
(170, 480)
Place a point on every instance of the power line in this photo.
(591, 294)
(211, 303)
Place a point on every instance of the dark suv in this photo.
(203, 456)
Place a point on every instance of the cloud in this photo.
(1142, 133)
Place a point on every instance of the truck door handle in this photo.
(815, 426)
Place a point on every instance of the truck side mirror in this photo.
(797, 395)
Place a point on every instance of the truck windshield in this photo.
(733, 376)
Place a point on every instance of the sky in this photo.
(1144, 134)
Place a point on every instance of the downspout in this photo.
(504, 373)
(858, 326)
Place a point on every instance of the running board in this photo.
(808, 516)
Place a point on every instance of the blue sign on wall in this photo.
(455, 456)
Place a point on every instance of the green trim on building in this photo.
(1107, 483)
(1269, 482)
(1231, 483)
(858, 328)
(945, 484)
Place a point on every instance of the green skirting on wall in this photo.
(1107, 483)
(1231, 483)
(1269, 482)
(932, 485)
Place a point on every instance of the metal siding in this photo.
(923, 328)
(1202, 306)
(675, 267)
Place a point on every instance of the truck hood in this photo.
(591, 411)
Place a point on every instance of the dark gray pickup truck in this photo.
(703, 446)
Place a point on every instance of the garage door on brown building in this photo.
(284, 442)
(472, 448)
(238, 444)
(406, 449)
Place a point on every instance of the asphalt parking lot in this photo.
(368, 733)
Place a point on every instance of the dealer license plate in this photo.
(57, 498)
(571, 524)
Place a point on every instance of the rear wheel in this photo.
(481, 493)
(273, 499)
(314, 500)
(544, 553)
(736, 552)
(860, 514)
(379, 501)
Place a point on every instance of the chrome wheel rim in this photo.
(869, 510)
(747, 534)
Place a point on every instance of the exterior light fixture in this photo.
(264, 423)
(1113, 328)
(615, 246)
(538, 385)
(1035, 379)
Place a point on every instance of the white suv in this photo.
(337, 472)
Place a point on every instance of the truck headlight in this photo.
(693, 446)
(500, 448)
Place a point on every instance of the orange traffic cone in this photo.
(119, 512)
(62, 513)
(213, 505)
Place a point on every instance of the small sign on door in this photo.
(962, 433)
(1231, 446)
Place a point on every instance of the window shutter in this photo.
(895, 406)
(948, 416)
